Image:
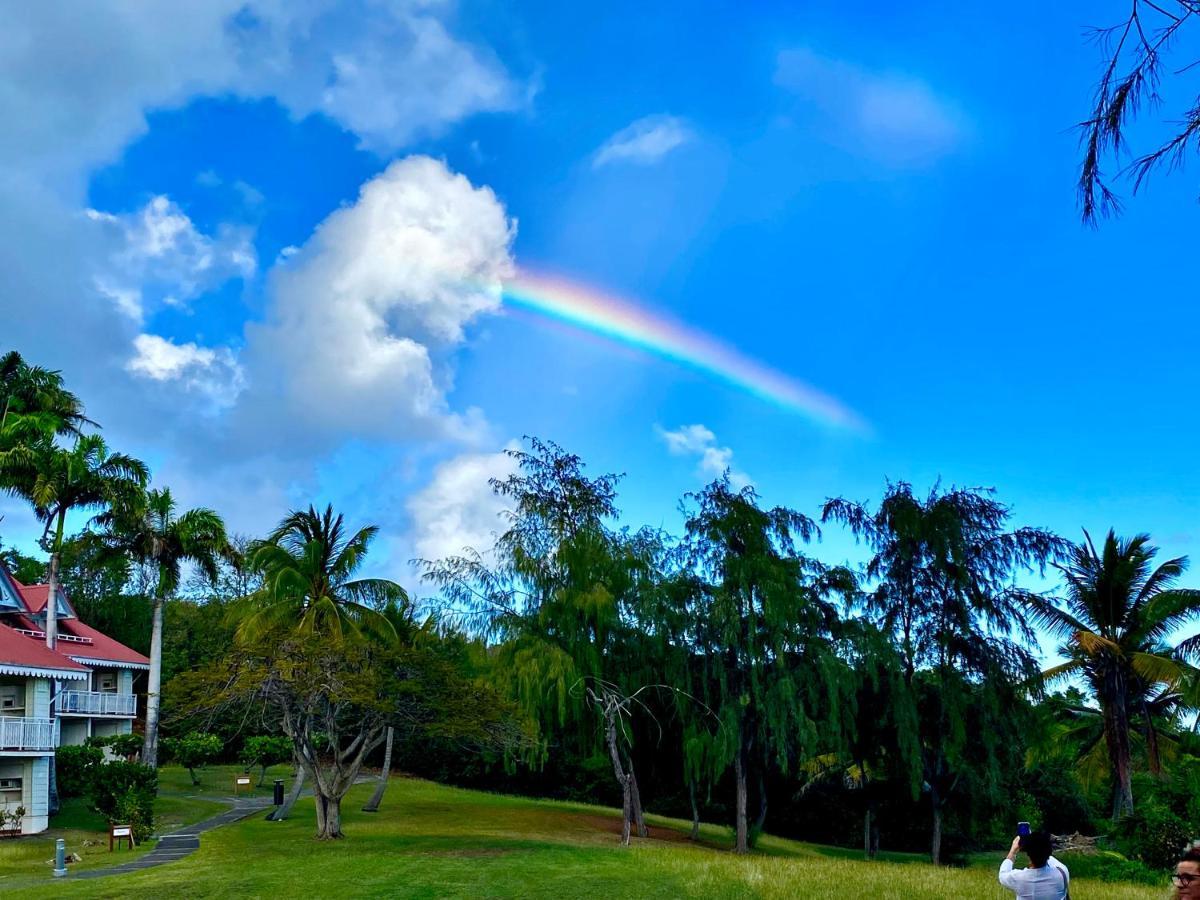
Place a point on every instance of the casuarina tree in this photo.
(941, 580)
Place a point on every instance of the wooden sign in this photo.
(120, 833)
(241, 781)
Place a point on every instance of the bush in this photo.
(126, 746)
(74, 769)
(1154, 835)
(265, 750)
(133, 809)
(193, 751)
(123, 792)
(1107, 866)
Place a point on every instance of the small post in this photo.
(60, 858)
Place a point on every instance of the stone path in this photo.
(182, 842)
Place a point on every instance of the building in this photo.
(54, 696)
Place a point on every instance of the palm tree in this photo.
(1117, 614)
(32, 390)
(307, 565)
(149, 530)
(57, 481)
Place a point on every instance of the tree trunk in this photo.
(695, 836)
(154, 687)
(742, 844)
(297, 786)
(622, 779)
(385, 773)
(329, 817)
(762, 805)
(935, 841)
(635, 798)
(52, 595)
(1116, 735)
(867, 824)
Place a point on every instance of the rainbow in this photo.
(592, 310)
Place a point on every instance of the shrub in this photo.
(193, 751)
(265, 750)
(74, 768)
(126, 746)
(1154, 834)
(123, 789)
(11, 821)
(133, 809)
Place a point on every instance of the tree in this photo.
(264, 751)
(38, 393)
(1116, 617)
(149, 529)
(762, 634)
(26, 569)
(943, 571)
(310, 601)
(558, 593)
(1136, 51)
(57, 482)
(307, 565)
(194, 751)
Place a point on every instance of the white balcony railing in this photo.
(95, 703)
(28, 733)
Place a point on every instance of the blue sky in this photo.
(243, 234)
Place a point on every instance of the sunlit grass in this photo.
(86, 833)
(434, 841)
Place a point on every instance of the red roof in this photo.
(97, 646)
(18, 649)
(34, 595)
(101, 647)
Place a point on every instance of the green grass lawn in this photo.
(434, 841)
(86, 833)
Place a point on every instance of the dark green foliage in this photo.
(127, 746)
(264, 751)
(1154, 835)
(75, 767)
(26, 569)
(193, 751)
(124, 792)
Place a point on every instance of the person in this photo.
(1187, 874)
(1045, 879)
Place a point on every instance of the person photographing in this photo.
(1044, 879)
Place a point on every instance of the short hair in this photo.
(1191, 853)
(1037, 846)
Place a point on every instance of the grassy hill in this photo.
(434, 841)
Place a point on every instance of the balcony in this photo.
(95, 703)
(27, 733)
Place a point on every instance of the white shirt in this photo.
(1047, 883)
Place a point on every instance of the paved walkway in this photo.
(182, 842)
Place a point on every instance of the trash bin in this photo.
(279, 792)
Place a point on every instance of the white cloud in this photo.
(645, 141)
(892, 116)
(713, 460)
(213, 373)
(75, 91)
(78, 85)
(158, 251)
(458, 508)
(359, 315)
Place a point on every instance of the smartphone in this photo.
(1022, 829)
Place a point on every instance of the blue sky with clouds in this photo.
(264, 241)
